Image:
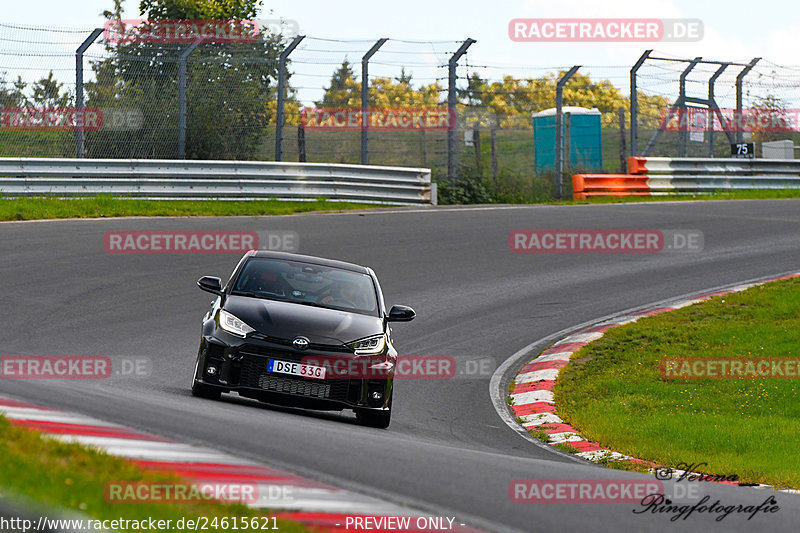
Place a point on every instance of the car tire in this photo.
(200, 390)
(374, 419)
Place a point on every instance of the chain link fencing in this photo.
(134, 106)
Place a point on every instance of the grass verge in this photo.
(71, 476)
(613, 393)
(106, 206)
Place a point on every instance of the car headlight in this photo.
(233, 325)
(369, 346)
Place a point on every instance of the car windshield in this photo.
(307, 284)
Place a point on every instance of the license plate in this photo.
(296, 369)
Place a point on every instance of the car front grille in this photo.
(254, 374)
(271, 382)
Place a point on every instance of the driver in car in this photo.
(344, 294)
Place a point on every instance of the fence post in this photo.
(713, 111)
(635, 101)
(451, 107)
(365, 99)
(424, 148)
(301, 143)
(182, 97)
(739, 80)
(493, 137)
(684, 135)
(79, 84)
(281, 95)
(567, 140)
(559, 141)
(623, 166)
(476, 140)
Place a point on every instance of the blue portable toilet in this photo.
(585, 142)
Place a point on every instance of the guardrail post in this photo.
(739, 79)
(182, 97)
(79, 84)
(559, 138)
(365, 99)
(451, 107)
(635, 101)
(281, 95)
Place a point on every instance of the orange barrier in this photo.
(586, 185)
(636, 165)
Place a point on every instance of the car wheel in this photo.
(201, 390)
(375, 419)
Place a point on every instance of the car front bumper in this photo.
(240, 365)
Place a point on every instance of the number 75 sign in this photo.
(747, 150)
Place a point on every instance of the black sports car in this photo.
(300, 331)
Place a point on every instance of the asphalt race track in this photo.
(447, 450)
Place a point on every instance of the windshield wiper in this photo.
(261, 295)
(312, 304)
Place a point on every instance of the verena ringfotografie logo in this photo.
(387, 119)
(583, 490)
(198, 241)
(72, 367)
(70, 119)
(620, 241)
(179, 493)
(744, 120)
(750, 368)
(605, 30)
(180, 31)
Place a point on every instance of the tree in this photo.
(47, 93)
(13, 94)
(229, 87)
(344, 89)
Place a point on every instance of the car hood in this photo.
(286, 320)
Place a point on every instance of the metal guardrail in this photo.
(665, 175)
(713, 166)
(214, 180)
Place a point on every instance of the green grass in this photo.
(540, 433)
(105, 206)
(72, 476)
(613, 393)
(564, 447)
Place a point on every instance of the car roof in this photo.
(333, 263)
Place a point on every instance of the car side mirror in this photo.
(210, 284)
(400, 313)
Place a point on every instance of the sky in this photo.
(734, 30)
